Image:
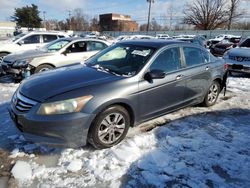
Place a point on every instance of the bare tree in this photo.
(206, 14)
(78, 21)
(233, 12)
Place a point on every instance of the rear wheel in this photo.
(42, 68)
(109, 128)
(212, 94)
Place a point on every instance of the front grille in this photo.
(22, 103)
(239, 58)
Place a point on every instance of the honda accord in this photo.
(120, 87)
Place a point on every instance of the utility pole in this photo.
(69, 20)
(149, 12)
(44, 18)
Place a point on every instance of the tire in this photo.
(212, 94)
(44, 67)
(2, 55)
(104, 133)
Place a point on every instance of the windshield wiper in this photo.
(104, 69)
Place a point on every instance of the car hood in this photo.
(48, 84)
(242, 52)
(29, 54)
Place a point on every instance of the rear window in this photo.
(193, 56)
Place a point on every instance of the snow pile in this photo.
(199, 147)
(22, 171)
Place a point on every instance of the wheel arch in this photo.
(123, 104)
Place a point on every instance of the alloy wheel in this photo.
(111, 128)
(213, 93)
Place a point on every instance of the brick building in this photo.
(117, 22)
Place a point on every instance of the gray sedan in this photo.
(122, 86)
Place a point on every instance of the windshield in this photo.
(245, 43)
(17, 37)
(56, 45)
(121, 59)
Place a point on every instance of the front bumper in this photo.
(70, 130)
(8, 69)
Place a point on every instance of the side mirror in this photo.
(154, 74)
(234, 45)
(65, 52)
(20, 43)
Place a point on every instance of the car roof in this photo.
(71, 39)
(155, 43)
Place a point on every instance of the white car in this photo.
(62, 52)
(28, 41)
(163, 36)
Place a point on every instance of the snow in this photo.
(193, 147)
(75, 165)
(22, 171)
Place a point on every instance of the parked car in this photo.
(199, 40)
(220, 38)
(28, 41)
(162, 36)
(120, 87)
(220, 48)
(62, 52)
(238, 59)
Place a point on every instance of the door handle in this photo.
(207, 68)
(179, 77)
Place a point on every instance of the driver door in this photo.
(159, 96)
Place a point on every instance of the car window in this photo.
(168, 60)
(77, 47)
(56, 46)
(49, 38)
(193, 56)
(33, 39)
(93, 46)
(245, 43)
(61, 36)
(206, 56)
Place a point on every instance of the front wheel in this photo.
(212, 94)
(42, 68)
(109, 128)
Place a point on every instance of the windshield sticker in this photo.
(143, 53)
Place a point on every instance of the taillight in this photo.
(225, 66)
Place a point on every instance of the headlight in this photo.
(22, 63)
(63, 107)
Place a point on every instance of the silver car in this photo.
(238, 59)
(62, 52)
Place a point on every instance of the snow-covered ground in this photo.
(193, 147)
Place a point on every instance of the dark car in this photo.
(220, 48)
(238, 59)
(122, 86)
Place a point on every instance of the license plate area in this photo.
(237, 66)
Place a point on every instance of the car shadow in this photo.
(209, 149)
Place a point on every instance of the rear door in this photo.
(198, 73)
(163, 95)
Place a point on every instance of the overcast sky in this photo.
(59, 9)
